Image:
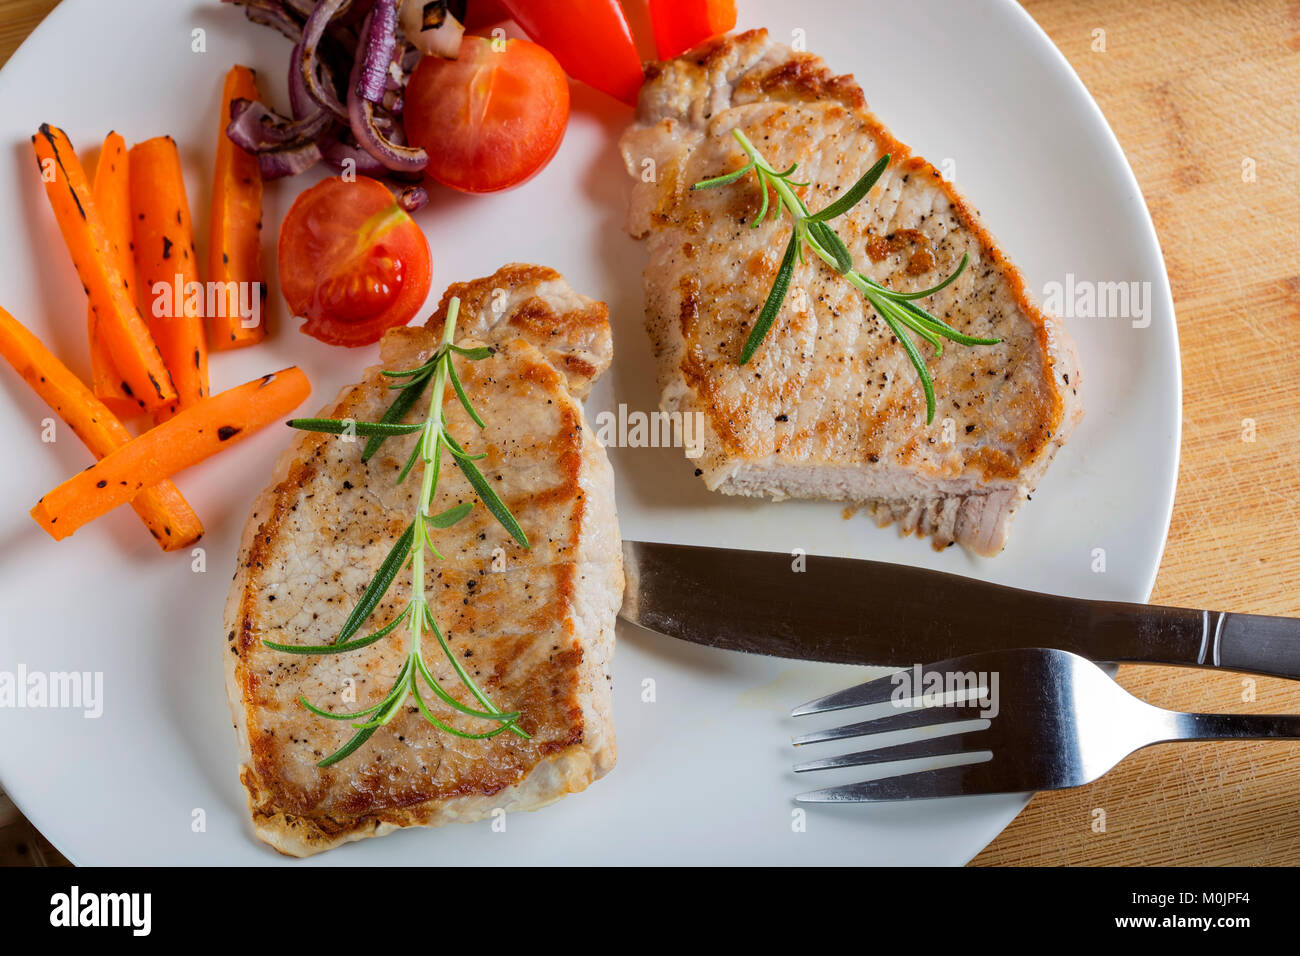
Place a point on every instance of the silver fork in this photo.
(1019, 720)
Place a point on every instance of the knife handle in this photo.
(1255, 643)
(1252, 643)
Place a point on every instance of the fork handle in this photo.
(1236, 726)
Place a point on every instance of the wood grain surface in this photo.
(1204, 96)
(17, 19)
(1199, 94)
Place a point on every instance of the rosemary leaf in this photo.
(465, 677)
(829, 240)
(428, 539)
(335, 716)
(762, 212)
(943, 328)
(475, 354)
(855, 194)
(466, 456)
(410, 463)
(487, 494)
(428, 715)
(365, 733)
(724, 179)
(925, 293)
(907, 320)
(379, 586)
(348, 748)
(452, 515)
(396, 696)
(457, 705)
(447, 728)
(460, 393)
(339, 426)
(440, 438)
(388, 713)
(424, 369)
(927, 384)
(773, 304)
(396, 412)
(341, 648)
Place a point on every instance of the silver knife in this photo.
(849, 611)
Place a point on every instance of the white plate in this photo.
(704, 770)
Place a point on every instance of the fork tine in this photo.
(906, 718)
(872, 692)
(934, 747)
(962, 780)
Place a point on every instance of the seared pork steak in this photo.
(830, 406)
(534, 627)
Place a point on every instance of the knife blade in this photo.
(852, 611)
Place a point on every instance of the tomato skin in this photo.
(681, 24)
(490, 119)
(482, 14)
(353, 263)
(590, 38)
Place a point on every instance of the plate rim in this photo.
(1165, 291)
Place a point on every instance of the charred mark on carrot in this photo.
(46, 131)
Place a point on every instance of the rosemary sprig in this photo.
(897, 309)
(410, 548)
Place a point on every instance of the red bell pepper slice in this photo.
(590, 38)
(681, 24)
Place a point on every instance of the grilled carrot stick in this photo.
(167, 267)
(144, 375)
(161, 507)
(187, 438)
(235, 237)
(112, 197)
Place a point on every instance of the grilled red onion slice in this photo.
(361, 117)
(256, 128)
(410, 198)
(376, 53)
(313, 30)
(289, 160)
(302, 8)
(300, 101)
(272, 13)
(338, 154)
(363, 135)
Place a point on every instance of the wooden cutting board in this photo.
(1205, 99)
(1204, 96)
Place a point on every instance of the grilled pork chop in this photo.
(830, 406)
(534, 627)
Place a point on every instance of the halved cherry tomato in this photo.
(352, 262)
(680, 24)
(590, 38)
(490, 119)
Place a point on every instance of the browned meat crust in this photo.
(535, 627)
